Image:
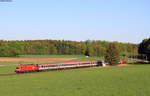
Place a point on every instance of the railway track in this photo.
(9, 74)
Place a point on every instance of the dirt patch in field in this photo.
(2, 65)
(119, 65)
(122, 65)
(34, 59)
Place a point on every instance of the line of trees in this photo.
(62, 47)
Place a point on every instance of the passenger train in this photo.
(56, 66)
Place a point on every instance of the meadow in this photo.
(132, 80)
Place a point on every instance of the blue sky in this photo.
(111, 20)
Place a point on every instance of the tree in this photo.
(112, 55)
(144, 48)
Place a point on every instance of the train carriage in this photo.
(66, 65)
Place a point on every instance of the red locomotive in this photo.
(54, 66)
(26, 68)
(123, 61)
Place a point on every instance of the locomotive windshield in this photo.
(17, 67)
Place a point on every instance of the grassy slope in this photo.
(115, 81)
(132, 80)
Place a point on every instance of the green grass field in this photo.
(132, 80)
(113, 81)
